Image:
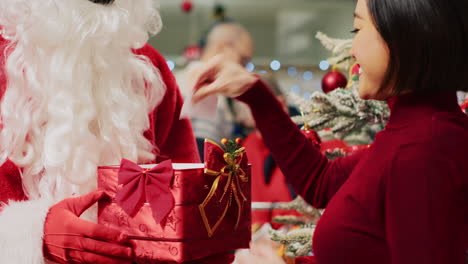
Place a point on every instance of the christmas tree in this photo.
(341, 113)
(297, 240)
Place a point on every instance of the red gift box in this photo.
(180, 212)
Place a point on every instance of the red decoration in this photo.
(333, 144)
(192, 52)
(238, 140)
(464, 106)
(312, 136)
(231, 177)
(333, 80)
(354, 73)
(187, 6)
(146, 185)
(355, 69)
(352, 149)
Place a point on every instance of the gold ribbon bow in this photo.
(232, 189)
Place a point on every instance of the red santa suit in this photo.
(22, 220)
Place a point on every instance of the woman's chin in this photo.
(368, 93)
(364, 93)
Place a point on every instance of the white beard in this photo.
(76, 95)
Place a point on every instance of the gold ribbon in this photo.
(235, 174)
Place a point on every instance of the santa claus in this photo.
(80, 89)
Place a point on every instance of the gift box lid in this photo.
(175, 166)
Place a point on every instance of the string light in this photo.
(324, 65)
(171, 65)
(275, 65)
(250, 67)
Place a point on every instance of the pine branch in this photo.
(298, 242)
(342, 110)
(291, 220)
(302, 207)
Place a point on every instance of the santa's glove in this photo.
(69, 239)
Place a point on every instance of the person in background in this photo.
(79, 88)
(404, 200)
(268, 182)
(235, 43)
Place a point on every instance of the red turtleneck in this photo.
(402, 201)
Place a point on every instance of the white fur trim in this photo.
(21, 231)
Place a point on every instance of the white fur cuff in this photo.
(21, 231)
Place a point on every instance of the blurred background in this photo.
(283, 33)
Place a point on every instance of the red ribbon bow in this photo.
(150, 185)
(226, 190)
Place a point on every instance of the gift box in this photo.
(180, 212)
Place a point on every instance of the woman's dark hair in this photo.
(104, 2)
(428, 43)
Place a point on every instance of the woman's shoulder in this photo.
(449, 132)
(443, 137)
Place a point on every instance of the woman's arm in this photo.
(311, 174)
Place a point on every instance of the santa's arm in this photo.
(21, 221)
(174, 136)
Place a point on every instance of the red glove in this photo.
(69, 239)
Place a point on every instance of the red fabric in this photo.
(80, 241)
(173, 137)
(308, 260)
(404, 200)
(146, 185)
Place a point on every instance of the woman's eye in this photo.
(354, 31)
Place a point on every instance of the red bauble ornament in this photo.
(192, 52)
(333, 144)
(187, 6)
(312, 136)
(353, 149)
(333, 80)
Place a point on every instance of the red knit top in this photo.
(402, 201)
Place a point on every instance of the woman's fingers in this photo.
(206, 73)
(207, 90)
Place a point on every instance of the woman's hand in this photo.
(221, 76)
(69, 239)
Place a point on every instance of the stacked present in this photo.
(178, 213)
